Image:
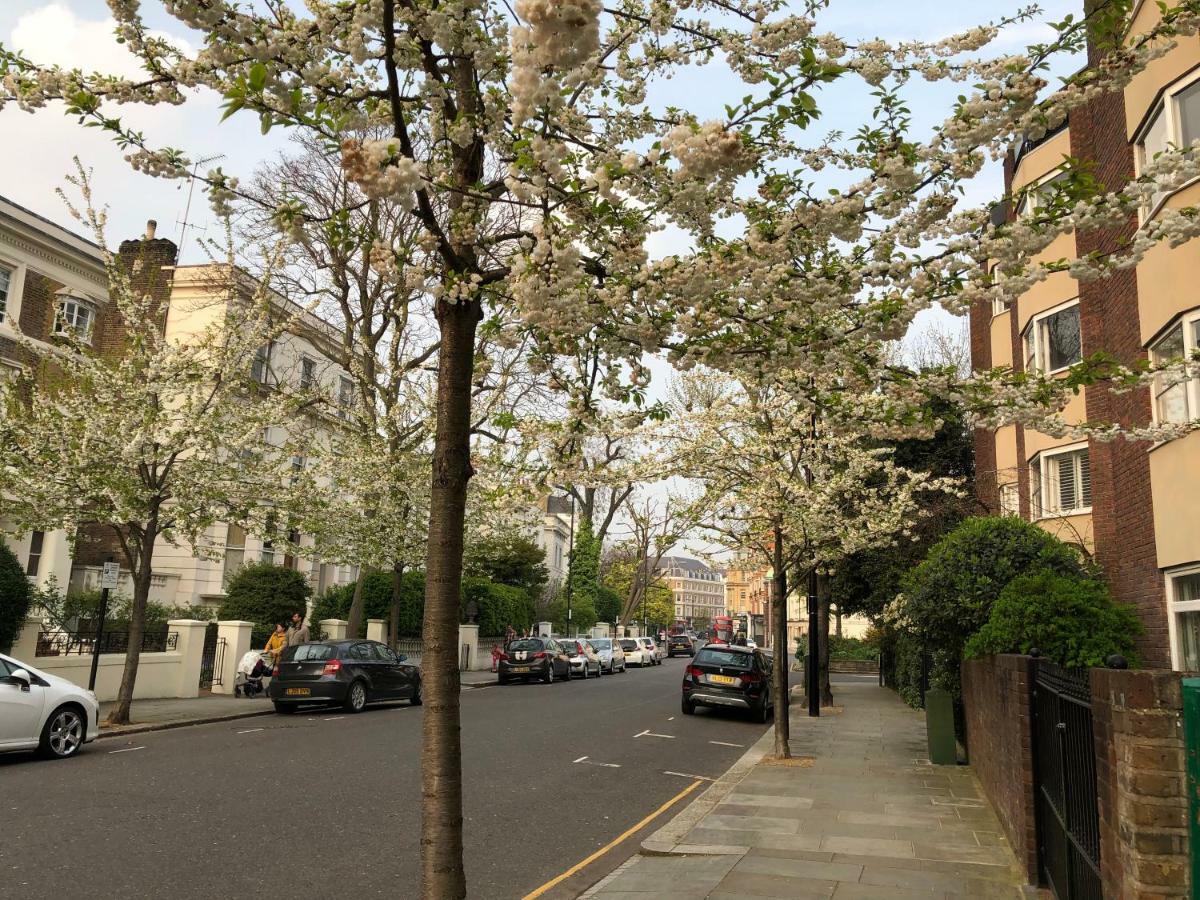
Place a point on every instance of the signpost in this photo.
(109, 579)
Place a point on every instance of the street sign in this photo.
(112, 574)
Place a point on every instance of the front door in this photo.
(20, 709)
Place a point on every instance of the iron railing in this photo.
(1065, 783)
(411, 648)
(75, 643)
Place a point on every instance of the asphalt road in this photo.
(328, 804)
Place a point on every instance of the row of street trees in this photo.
(529, 150)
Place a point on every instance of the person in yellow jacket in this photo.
(276, 642)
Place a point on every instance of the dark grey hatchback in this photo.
(352, 673)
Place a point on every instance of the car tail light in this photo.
(332, 667)
(541, 654)
(275, 671)
(695, 672)
(750, 677)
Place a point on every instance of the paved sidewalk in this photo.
(864, 816)
(154, 715)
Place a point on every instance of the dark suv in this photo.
(680, 644)
(721, 675)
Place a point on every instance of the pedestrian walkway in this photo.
(859, 814)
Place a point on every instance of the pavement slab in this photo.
(869, 817)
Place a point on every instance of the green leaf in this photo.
(258, 76)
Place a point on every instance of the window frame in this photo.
(1175, 607)
(9, 277)
(1009, 499)
(1039, 482)
(1188, 323)
(1040, 355)
(1167, 106)
(308, 373)
(61, 324)
(345, 396)
(260, 366)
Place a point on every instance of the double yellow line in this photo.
(579, 866)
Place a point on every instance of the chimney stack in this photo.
(151, 227)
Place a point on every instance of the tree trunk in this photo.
(141, 562)
(442, 874)
(394, 612)
(838, 622)
(355, 619)
(823, 639)
(779, 666)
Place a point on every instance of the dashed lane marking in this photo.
(591, 762)
(251, 730)
(687, 775)
(649, 733)
(126, 750)
(333, 718)
(726, 744)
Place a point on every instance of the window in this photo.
(308, 373)
(260, 369)
(1176, 395)
(36, 540)
(1010, 503)
(1040, 195)
(235, 551)
(1053, 340)
(76, 317)
(1183, 591)
(1061, 482)
(1174, 123)
(5, 286)
(345, 396)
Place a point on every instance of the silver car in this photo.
(612, 657)
(655, 652)
(582, 656)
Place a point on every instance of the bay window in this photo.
(76, 317)
(1176, 394)
(1053, 341)
(1175, 122)
(1061, 482)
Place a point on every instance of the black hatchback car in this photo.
(529, 658)
(680, 644)
(350, 672)
(723, 675)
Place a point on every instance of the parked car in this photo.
(40, 711)
(351, 672)
(721, 675)
(635, 653)
(655, 652)
(530, 658)
(680, 644)
(612, 657)
(582, 656)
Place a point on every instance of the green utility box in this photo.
(1191, 738)
(939, 727)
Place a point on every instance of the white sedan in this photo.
(635, 653)
(655, 652)
(43, 712)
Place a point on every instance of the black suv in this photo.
(729, 676)
(681, 644)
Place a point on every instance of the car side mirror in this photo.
(20, 678)
(401, 657)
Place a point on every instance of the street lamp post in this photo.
(571, 565)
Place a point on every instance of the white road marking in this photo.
(649, 733)
(251, 730)
(334, 718)
(686, 775)
(126, 750)
(725, 744)
(584, 759)
(581, 759)
(670, 718)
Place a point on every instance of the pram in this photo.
(248, 682)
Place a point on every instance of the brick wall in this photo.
(1141, 782)
(996, 702)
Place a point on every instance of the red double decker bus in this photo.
(722, 629)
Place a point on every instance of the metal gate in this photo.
(1068, 820)
(212, 657)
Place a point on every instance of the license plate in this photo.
(299, 692)
(722, 679)
(519, 669)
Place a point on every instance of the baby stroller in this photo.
(250, 671)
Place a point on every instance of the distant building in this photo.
(554, 537)
(698, 590)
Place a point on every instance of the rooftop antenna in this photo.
(183, 223)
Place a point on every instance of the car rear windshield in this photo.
(629, 645)
(314, 652)
(679, 639)
(730, 658)
(526, 644)
(601, 645)
(570, 648)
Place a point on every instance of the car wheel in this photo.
(760, 712)
(63, 734)
(416, 700)
(688, 707)
(284, 709)
(548, 678)
(356, 697)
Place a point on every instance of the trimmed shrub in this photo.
(264, 594)
(377, 601)
(500, 605)
(1073, 622)
(14, 597)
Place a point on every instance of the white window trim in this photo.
(68, 295)
(1183, 320)
(1178, 606)
(1038, 512)
(1038, 348)
(16, 290)
(1175, 135)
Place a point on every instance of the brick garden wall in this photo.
(996, 701)
(1141, 783)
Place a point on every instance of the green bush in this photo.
(14, 597)
(1073, 622)
(608, 604)
(851, 648)
(500, 605)
(377, 601)
(264, 594)
(949, 596)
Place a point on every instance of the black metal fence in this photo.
(212, 658)
(75, 643)
(1068, 820)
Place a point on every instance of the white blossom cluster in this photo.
(380, 170)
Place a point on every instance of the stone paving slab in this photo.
(869, 818)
